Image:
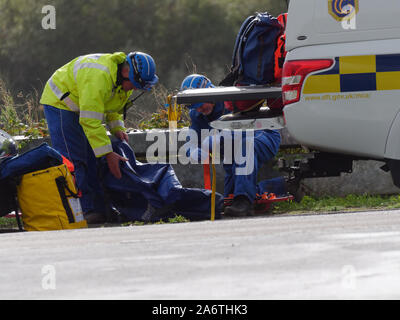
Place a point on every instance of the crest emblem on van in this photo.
(343, 9)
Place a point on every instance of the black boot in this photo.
(93, 217)
(153, 214)
(241, 207)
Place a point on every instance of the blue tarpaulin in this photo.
(35, 159)
(144, 184)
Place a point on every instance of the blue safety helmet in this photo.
(196, 81)
(142, 71)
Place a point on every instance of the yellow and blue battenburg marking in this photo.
(357, 74)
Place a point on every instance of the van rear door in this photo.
(315, 22)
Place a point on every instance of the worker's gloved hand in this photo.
(113, 160)
(122, 135)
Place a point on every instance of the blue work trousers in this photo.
(266, 145)
(68, 138)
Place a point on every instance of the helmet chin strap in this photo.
(130, 103)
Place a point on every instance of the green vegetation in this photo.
(176, 219)
(8, 223)
(11, 223)
(184, 36)
(159, 120)
(24, 118)
(335, 204)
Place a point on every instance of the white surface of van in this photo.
(375, 20)
(353, 106)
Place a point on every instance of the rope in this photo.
(214, 177)
(213, 190)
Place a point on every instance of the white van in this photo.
(342, 77)
(341, 84)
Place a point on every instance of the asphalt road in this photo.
(330, 256)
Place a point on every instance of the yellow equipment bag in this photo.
(48, 200)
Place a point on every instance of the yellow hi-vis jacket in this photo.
(87, 85)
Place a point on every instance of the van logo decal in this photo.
(343, 9)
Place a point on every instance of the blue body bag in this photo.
(35, 159)
(144, 184)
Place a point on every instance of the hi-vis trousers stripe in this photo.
(59, 94)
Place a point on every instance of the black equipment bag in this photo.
(8, 199)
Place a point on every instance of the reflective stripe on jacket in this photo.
(87, 85)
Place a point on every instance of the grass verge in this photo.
(176, 219)
(11, 223)
(8, 223)
(338, 204)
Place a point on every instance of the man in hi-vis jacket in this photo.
(77, 99)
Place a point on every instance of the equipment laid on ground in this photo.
(46, 191)
(150, 192)
(49, 200)
(269, 192)
(264, 202)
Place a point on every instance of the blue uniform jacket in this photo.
(266, 145)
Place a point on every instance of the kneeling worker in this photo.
(77, 98)
(266, 144)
